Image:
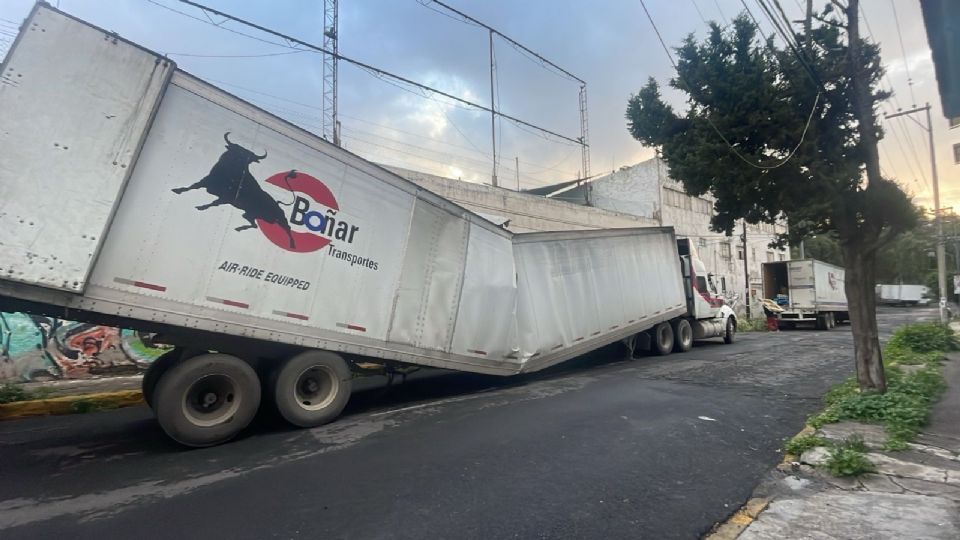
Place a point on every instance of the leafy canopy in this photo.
(760, 99)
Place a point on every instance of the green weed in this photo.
(800, 444)
(848, 459)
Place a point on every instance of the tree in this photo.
(787, 134)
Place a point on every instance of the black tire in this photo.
(312, 388)
(662, 339)
(682, 335)
(156, 370)
(730, 333)
(822, 322)
(182, 399)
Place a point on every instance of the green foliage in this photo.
(751, 325)
(800, 444)
(748, 104)
(924, 338)
(823, 247)
(904, 408)
(10, 392)
(91, 405)
(848, 459)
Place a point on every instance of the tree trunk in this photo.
(860, 284)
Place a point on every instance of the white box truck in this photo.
(809, 291)
(134, 194)
(901, 294)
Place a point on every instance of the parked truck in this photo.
(134, 194)
(902, 294)
(808, 291)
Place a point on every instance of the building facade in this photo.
(646, 190)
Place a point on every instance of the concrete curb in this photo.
(71, 404)
(740, 520)
(747, 514)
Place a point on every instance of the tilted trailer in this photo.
(134, 194)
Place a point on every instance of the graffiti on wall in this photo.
(38, 348)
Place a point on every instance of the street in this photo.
(599, 447)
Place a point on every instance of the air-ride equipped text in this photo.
(260, 274)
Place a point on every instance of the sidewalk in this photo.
(913, 493)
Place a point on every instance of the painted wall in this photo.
(37, 348)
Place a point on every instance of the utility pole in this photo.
(493, 115)
(516, 160)
(330, 123)
(746, 270)
(937, 211)
(803, 254)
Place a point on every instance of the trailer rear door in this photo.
(67, 154)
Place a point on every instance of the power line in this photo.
(700, 13)
(261, 55)
(358, 119)
(712, 125)
(516, 44)
(903, 51)
(899, 120)
(363, 65)
(722, 15)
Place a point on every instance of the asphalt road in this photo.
(658, 447)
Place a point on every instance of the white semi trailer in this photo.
(901, 294)
(808, 290)
(134, 194)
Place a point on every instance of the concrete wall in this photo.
(527, 213)
(646, 189)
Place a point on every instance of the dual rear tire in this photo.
(208, 399)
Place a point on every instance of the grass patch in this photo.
(91, 405)
(904, 408)
(849, 459)
(800, 444)
(751, 325)
(10, 392)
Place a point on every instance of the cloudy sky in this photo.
(608, 43)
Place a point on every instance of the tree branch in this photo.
(835, 24)
(839, 4)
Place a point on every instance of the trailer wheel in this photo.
(831, 321)
(662, 338)
(207, 399)
(730, 333)
(312, 388)
(683, 335)
(823, 322)
(148, 384)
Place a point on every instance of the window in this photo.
(702, 284)
(956, 153)
(770, 256)
(740, 253)
(783, 257)
(725, 250)
(723, 279)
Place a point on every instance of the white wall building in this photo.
(640, 195)
(646, 190)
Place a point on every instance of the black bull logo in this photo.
(230, 181)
